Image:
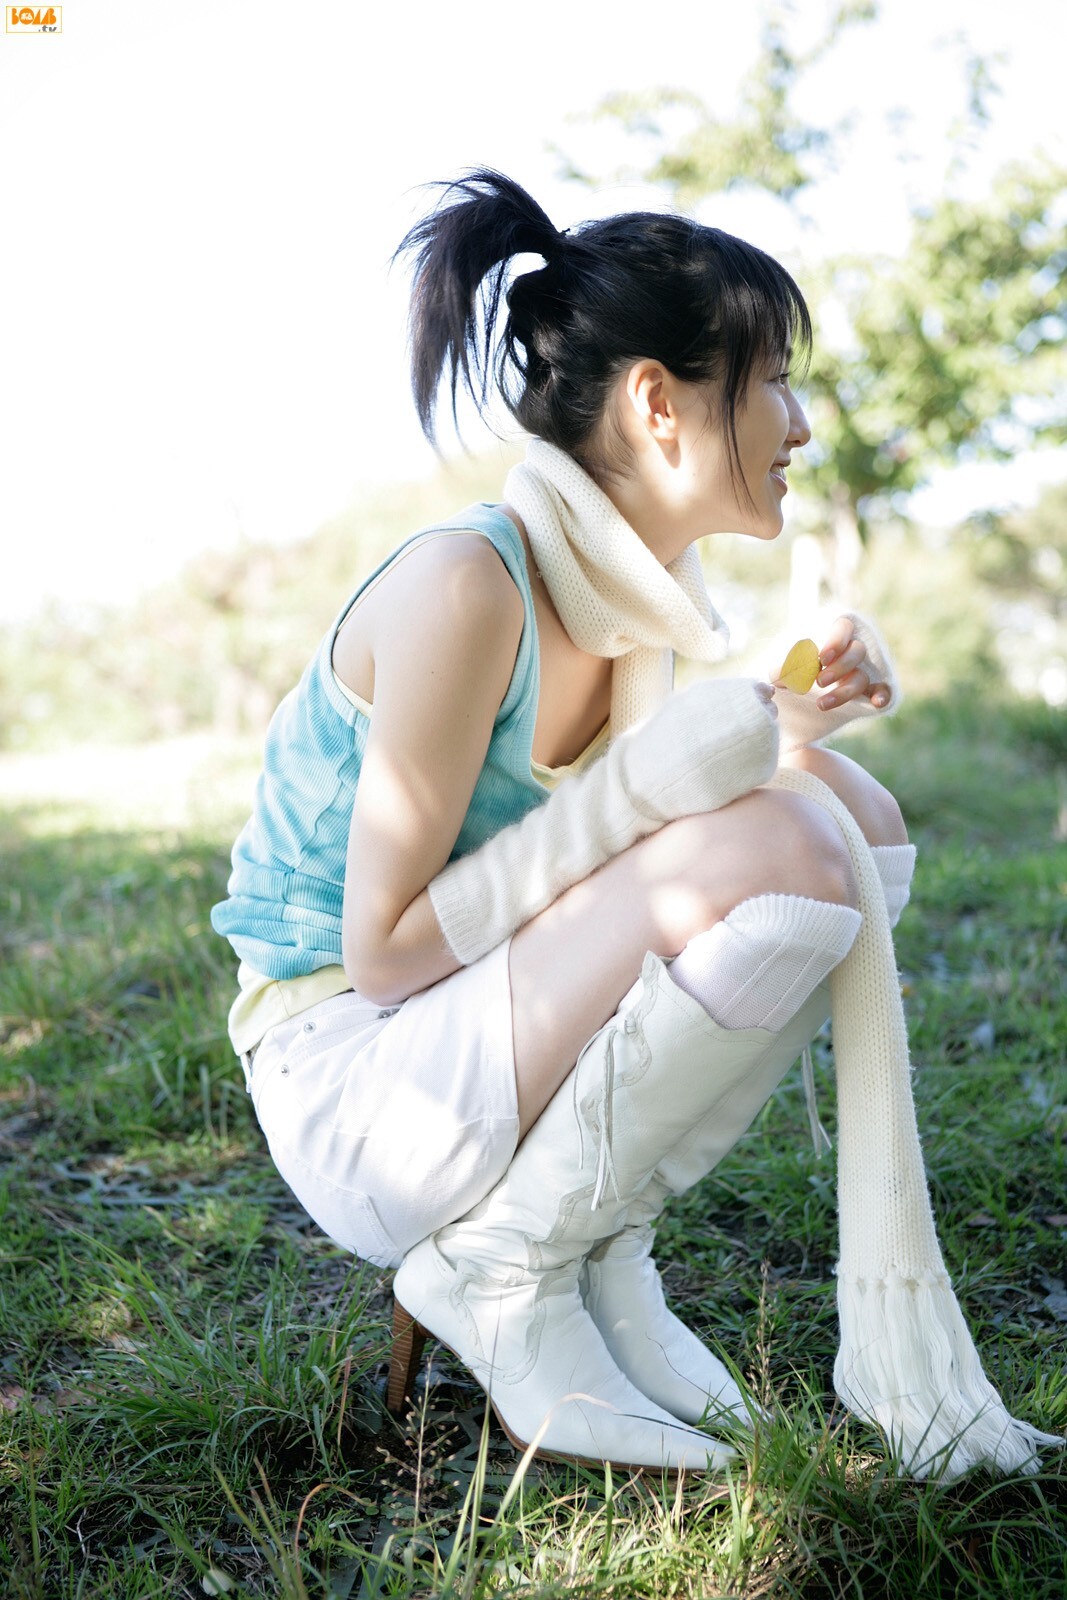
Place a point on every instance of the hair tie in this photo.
(559, 243)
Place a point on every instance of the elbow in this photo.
(387, 963)
(370, 981)
(373, 976)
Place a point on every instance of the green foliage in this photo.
(949, 348)
(954, 351)
(190, 1374)
(765, 145)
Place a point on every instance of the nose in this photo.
(799, 429)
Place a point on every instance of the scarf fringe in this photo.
(907, 1363)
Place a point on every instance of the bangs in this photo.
(761, 325)
(762, 320)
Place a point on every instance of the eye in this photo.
(783, 377)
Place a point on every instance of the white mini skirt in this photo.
(387, 1123)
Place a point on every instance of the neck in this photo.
(656, 496)
(608, 580)
(651, 515)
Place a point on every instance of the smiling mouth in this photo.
(778, 473)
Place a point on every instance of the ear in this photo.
(652, 399)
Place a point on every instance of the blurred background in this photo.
(207, 429)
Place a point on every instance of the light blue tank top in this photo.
(286, 890)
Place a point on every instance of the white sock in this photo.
(756, 968)
(895, 863)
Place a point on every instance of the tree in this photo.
(955, 350)
(952, 352)
(765, 146)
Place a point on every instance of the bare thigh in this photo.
(571, 965)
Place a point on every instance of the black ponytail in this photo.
(642, 284)
(462, 251)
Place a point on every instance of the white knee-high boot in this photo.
(621, 1285)
(770, 956)
(501, 1285)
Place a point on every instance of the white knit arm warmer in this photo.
(800, 719)
(701, 749)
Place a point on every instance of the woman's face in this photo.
(770, 425)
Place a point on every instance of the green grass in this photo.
(190, 1375)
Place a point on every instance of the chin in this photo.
(765, 530)
(752, 524)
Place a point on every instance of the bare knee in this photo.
(872, 805)
(805, 847)
(769, 842)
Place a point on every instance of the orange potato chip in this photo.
(800, 668)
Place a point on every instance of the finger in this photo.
(879, 694)
(852, 686)
(847, 661)
(838, 640)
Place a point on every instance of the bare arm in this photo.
(444, 650)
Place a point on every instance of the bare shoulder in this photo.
(452, 593)
(446, 633)
(459, 582)
(468, 565)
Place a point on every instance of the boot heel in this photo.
(409, 1337)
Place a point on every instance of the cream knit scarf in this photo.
(613, 596)
(906, 1359)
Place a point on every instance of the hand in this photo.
(844, 672)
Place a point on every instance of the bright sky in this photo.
(199, 337)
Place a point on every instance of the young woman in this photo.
(527, 939)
